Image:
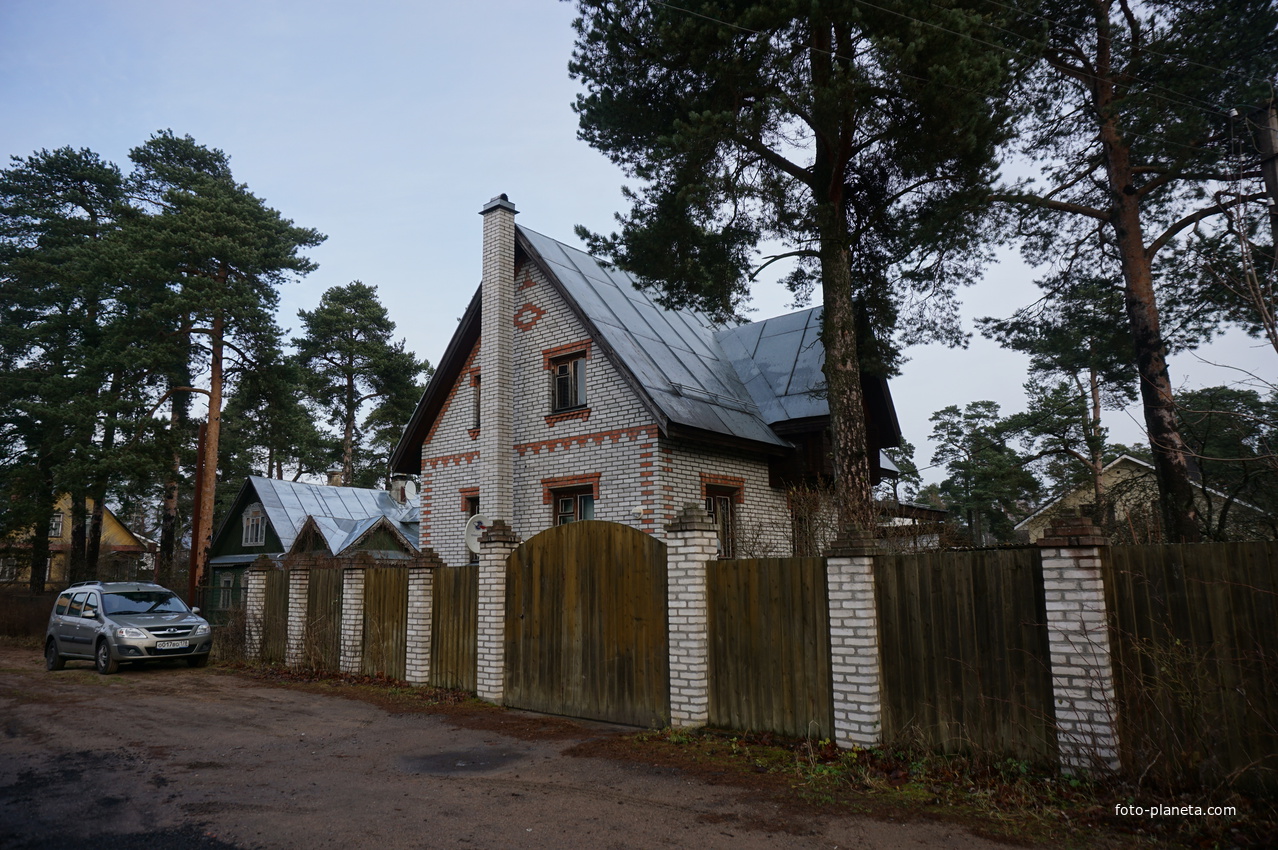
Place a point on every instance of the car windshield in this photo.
(143, 602)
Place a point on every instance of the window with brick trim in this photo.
(573, 504)
(568, 383)
(721, 504)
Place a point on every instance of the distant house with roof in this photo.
(566, 393)
(1130, 512)
(273, 518)
(122, 555)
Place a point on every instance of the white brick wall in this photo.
(299, 582)
(490, 682)
(421, 582)
(1082, 666)
(691, 543)
(254, 610)
(854, 651)
(352, 639)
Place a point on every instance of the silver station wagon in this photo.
(110, 622)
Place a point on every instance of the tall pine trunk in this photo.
(213, 428)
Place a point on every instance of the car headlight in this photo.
(201, 629)
(130, 632)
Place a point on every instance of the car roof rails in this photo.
(84, 583)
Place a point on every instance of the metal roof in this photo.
(342, 514)
(780, 361)
(673, 354)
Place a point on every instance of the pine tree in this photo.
(351, 361)
(856, 134)
(1129, 117)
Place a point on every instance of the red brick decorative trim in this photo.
(549, 485)
(473, 432)
(598, 438)
(555, 418)
(468, 372)
(527, 316)
(727, 482)
(550, 355)
(467, 493)
(474, 376)
(527, 282)
(449, 460)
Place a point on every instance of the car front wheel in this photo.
(52, 660)
(105, 663)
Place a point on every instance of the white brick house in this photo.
(566, 393)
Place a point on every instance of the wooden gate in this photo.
(586, 625)
(386, 621)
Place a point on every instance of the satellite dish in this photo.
(410, 489)
(475, 526)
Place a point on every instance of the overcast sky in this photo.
(386, 126)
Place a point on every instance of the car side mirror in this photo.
(90, 615)
(195, 610)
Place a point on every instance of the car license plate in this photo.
(172, 644)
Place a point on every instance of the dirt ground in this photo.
(169, 757)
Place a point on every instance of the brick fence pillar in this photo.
(1078, 641)
(421, 603)
(691, 543)
(255, 607)
(856, 682)
(352, 640)
(299, 583)
(496, 545)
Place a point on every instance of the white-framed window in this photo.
(568, 390)
(8, 568)
(721, 505)
(55, 525)
(254, 525)
(573, 505)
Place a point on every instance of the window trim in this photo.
(253, 526)
(57, 525)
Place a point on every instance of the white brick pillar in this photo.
(490, 675)
(254, 609)
(299, 583)
(421, 586)
(691, 543)
(352, 640)
(1078, 642)
(856, 682)
(496, 362)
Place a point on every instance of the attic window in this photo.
(569, 387)
(254, 525)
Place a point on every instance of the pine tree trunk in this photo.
(77, 564)
(208, 485)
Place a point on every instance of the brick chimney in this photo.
(496, 356)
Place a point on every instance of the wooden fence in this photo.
(1194, 631)
(323, 633)
(454, 635)
(386, 621)
(274, 625)
(964, 652)
(769, 646)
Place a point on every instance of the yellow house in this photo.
(1130, 513)
(123, 555)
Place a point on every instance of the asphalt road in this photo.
(170, 757)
